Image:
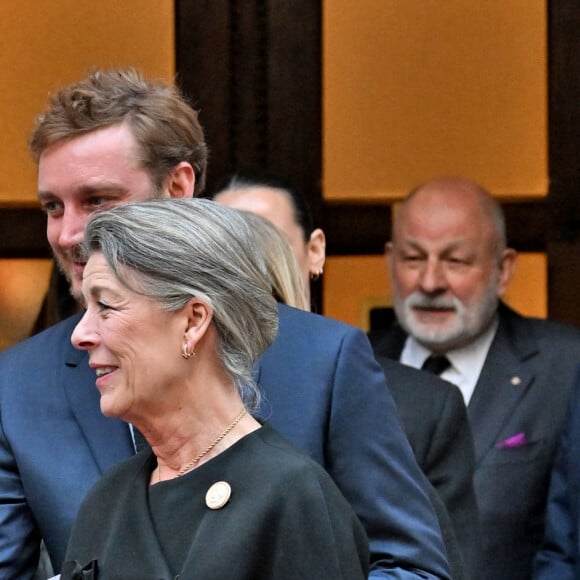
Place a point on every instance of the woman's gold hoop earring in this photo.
(185, 353)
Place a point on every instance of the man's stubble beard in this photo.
(74, 253)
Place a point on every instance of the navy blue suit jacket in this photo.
(322, 390)
(516, 415)
(560, 554)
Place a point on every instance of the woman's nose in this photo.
(84, 336)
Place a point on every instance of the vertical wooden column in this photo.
(564, 159)
(253, 68)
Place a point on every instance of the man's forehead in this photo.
(444, 232)
(102, 161)
(105, 144)
(447, 199)
(443, 216)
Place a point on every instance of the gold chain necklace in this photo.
(197, 459)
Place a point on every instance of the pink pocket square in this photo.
(514, 441)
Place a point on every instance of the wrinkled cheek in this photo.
(137, 379)
(403, 286)
(129, 380)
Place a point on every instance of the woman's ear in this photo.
(316, 252)
(198, 316)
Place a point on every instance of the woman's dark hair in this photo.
(247, 178)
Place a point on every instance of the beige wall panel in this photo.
(24, 283)
(44, 45)
(418, 88)
(354, 285)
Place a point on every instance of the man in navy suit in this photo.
(449, 266)
(560, 554)
(112, 139)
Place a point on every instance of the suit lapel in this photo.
(109, 440)
(391, 344)
(504, 380)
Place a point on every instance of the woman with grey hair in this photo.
(178, 308)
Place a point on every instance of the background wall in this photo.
(409, 90)
(44, 45)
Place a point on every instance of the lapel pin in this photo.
(218, 495)
(515, 381)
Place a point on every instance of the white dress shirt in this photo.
(466, 362)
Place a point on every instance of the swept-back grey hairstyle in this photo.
(173, 249)
(281, 262)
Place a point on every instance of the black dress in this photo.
(285, 520)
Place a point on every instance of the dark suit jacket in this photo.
(560, 554)
(322, 389)
(436, 424)
(516, 414)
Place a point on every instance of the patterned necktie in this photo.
(436, 364)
